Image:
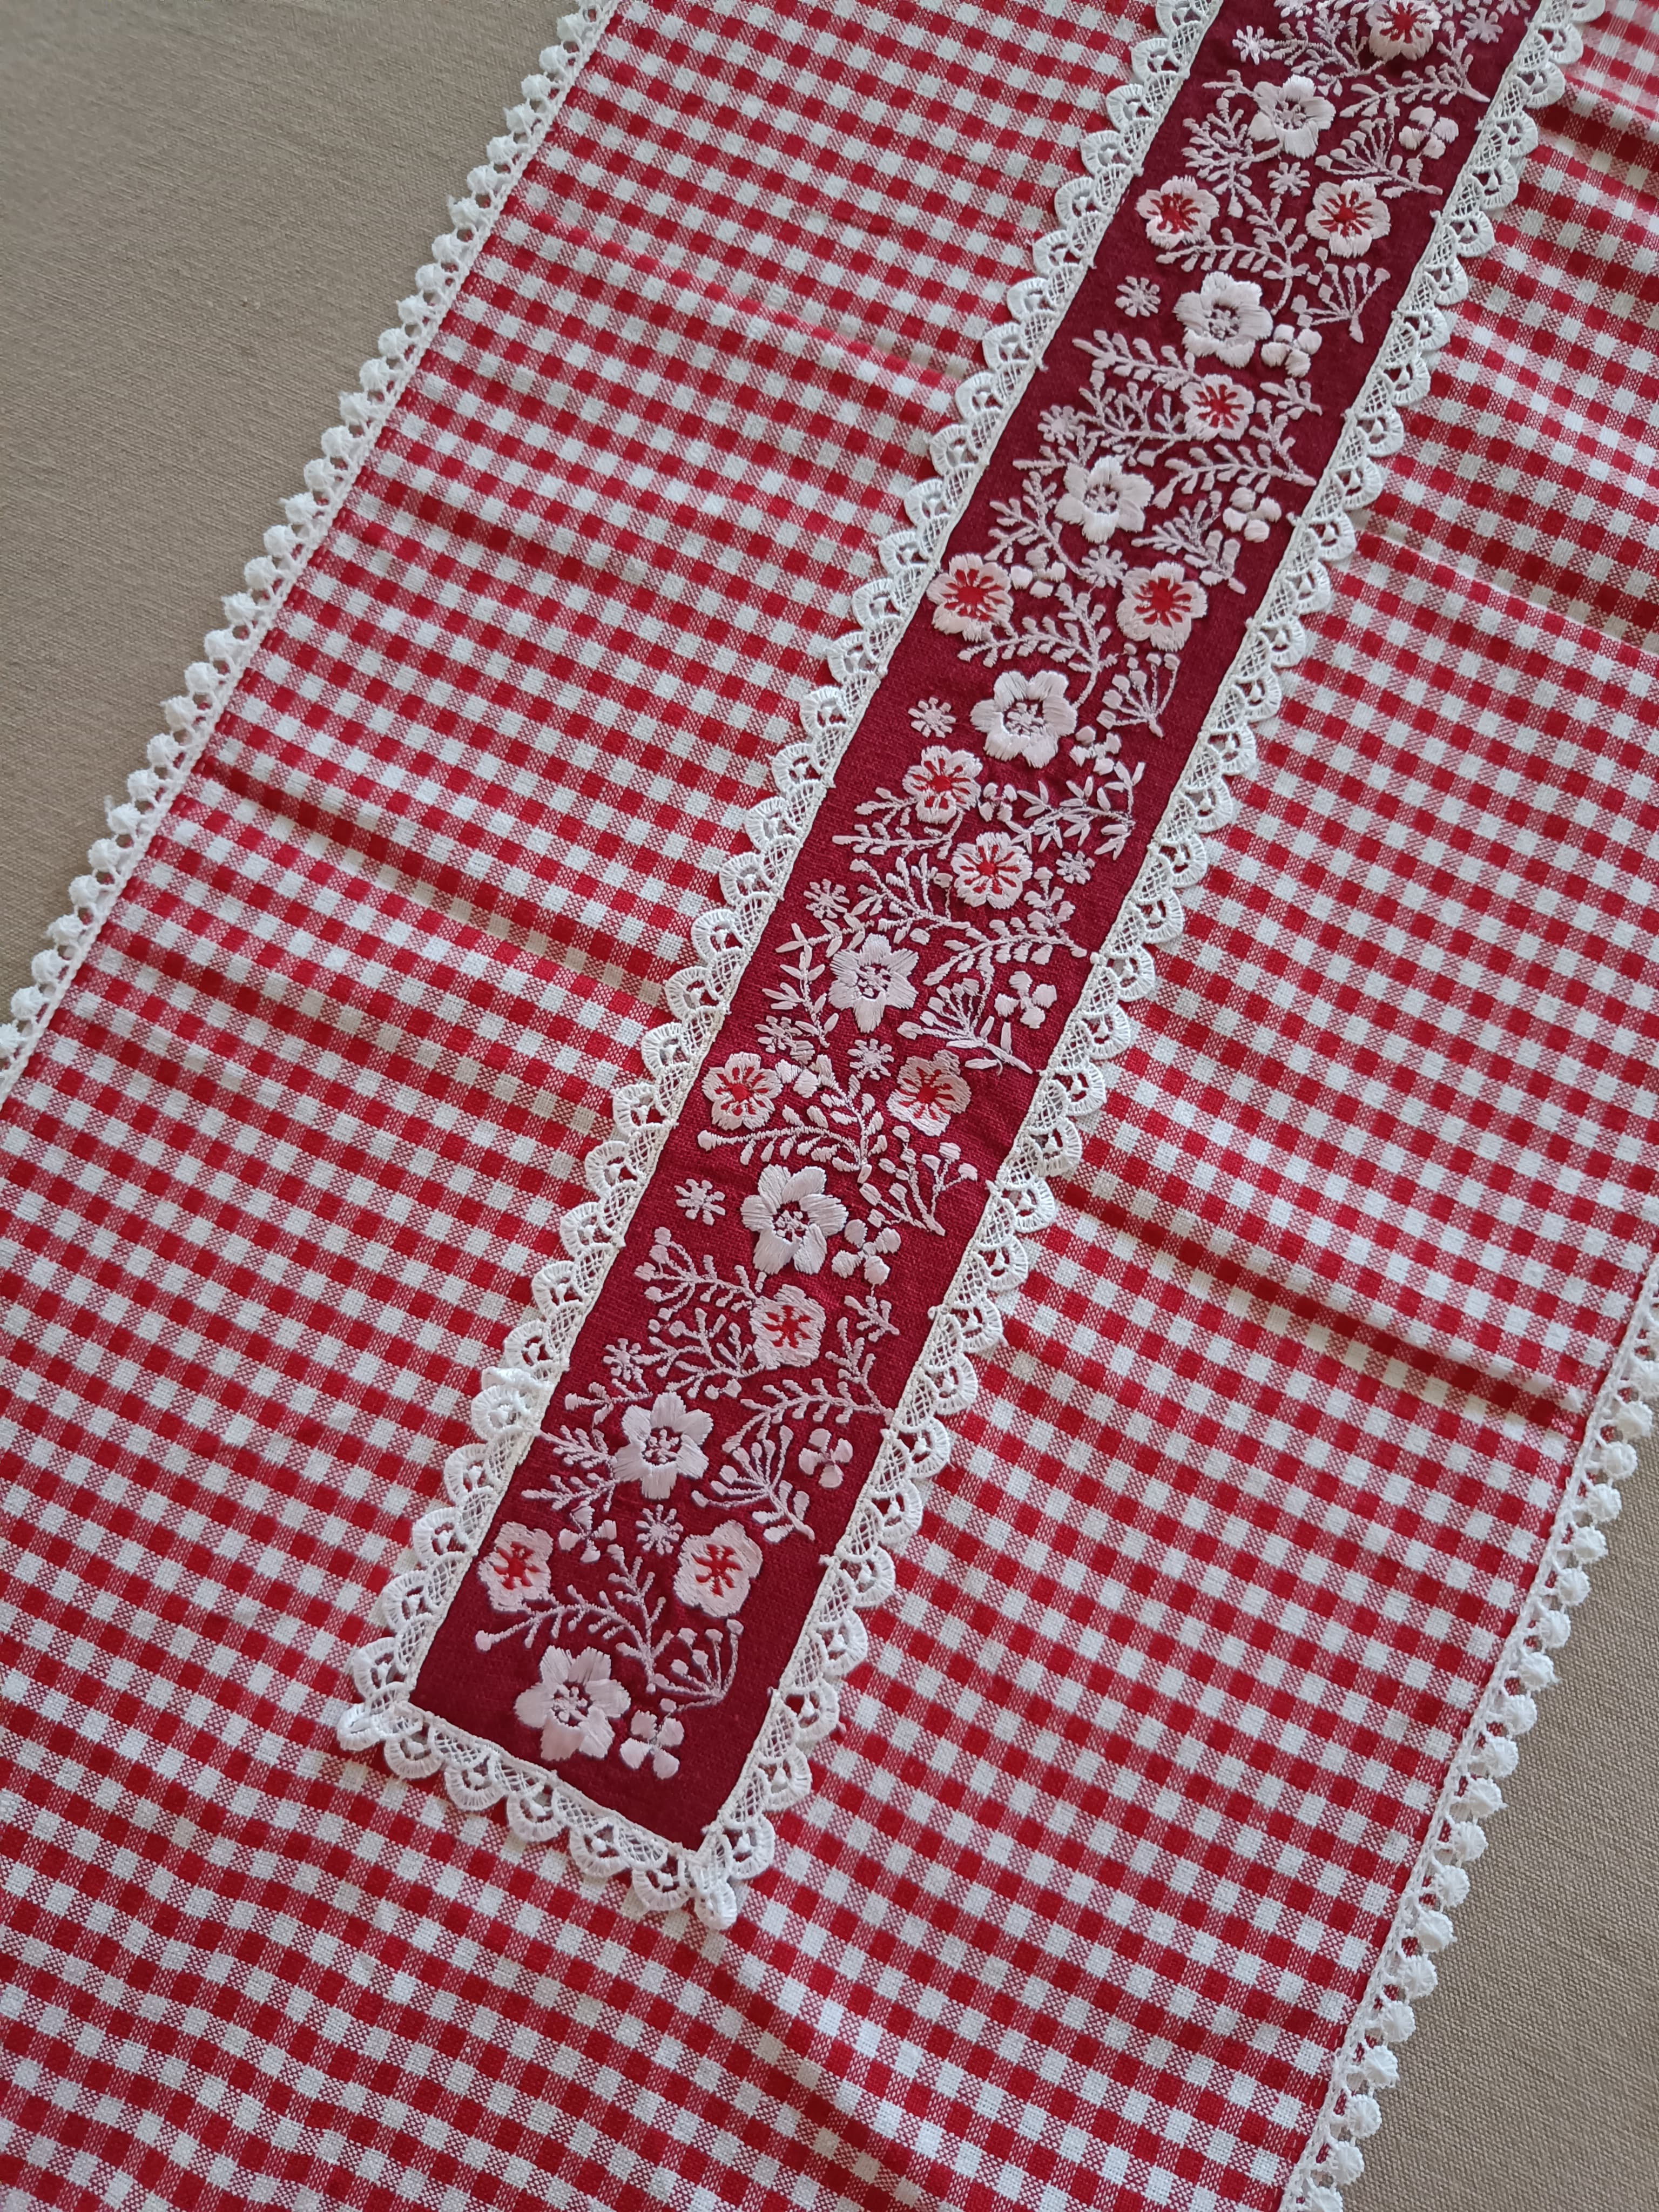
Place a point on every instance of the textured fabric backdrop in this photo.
(1566, 439)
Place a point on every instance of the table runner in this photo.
(1455, 651)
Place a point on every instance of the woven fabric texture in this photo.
(1100, 1864)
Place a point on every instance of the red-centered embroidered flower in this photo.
(664, 1443)
(1217, 407)
(942, 784)
(869, 978)
(1103, 499)
(970, 598)
(715, 1571)
(741, 1093)
(1349, 217)
(1025, 717)
(788, 1328)
(573, 1703)
(991, 871)
(929, 1092)
(1177, 213)
(649, 1737)
(1291, 115)
(793, 1220)
(516, 1573)
(1225, 317)
(1401, 30)
(1160, 605)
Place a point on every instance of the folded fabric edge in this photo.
(210, 683)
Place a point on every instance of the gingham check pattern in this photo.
(1124, 1800)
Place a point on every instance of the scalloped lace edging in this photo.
(211, 681)
(508, 1410)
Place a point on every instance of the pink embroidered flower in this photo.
(1160, 605)
(942, 784)
(1103, 499)
(1349, 217)
(970, 598)
(991, 871)
(929, 1092)
(649, 1737)
(742, 1092)
(1217, 407)
(868, 979)
(787, 1328)
(1291, 115)
(715, 1571)
(1026, 717)
(1225, 317)
(1177, 213)
(793, 1220)
(573, 1703)
(1401, 30)
(664, 1443)
(517, 1573)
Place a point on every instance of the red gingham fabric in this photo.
(1124, 1800)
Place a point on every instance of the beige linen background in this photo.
(208, 207)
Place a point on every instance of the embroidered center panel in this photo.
(634, 1608)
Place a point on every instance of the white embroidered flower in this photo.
(929, 1092)
(1291, 349)
(942, 784)
(586, 1537)
(793, 1220)
(1030, 1002)
(649, 1737)
(1349, 217)
(825, 1457)
(663, 1443)
(970, 598)
(867, 1257)
(788, 1328)
(1178, 213)
(1217, 407)
(1160, 605)
(1224, 316)
(1291, 115)
(715, 1571)
(991, 871)
(870, 979)
(1026, 717)
(658, 1529)
(1103, 499)
(573, 1703)
(700, 1201)
(1138, 296)
(516, 1572)
(1401, 30)
(1250, 46)
(1251, 517)
(1432, 132)
(741, 1094)
(932, 718)
(870, 1058)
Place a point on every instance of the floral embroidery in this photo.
(928, 1093)
(943, 785)
(1160, 604)
(653, 1738)
(516, 1570)
(788, 1326)
(573, 1703)
(992, 871)
(871, 978)
(741, 1093)
(700, 1201)
(1026, 717)
(1350, 217)
(1401, 30)
(1225, 317)
(1178, 211)
(662, 1444)
(969, 596)
(793, 1220)
(1291, 115)
(715, 1571)
(1217, 406)
(1138, 296)
(1101, 500)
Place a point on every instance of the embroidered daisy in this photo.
(1160, 605)
(715, 1571)
(1349, 217)
(658, 1529)
(1103, 499)
(741, 1094)
(991, 871)
(1026, 717)
(700, 1201)
(1401, 30)
(942, 784)
(1291, 115)
(1225, 317)
(932, 718)
(517, 1573)
(1178, 213)
(573, 1703)
(793, 1220)
(929, 1092)
(788, 1328)
(868, 979)
(1217, 407)
(970, 598)
(663, 1443)
(1138, 296)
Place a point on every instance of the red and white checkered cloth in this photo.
(1105, 1851)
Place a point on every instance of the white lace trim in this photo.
(211, 681)
(543, 1807)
